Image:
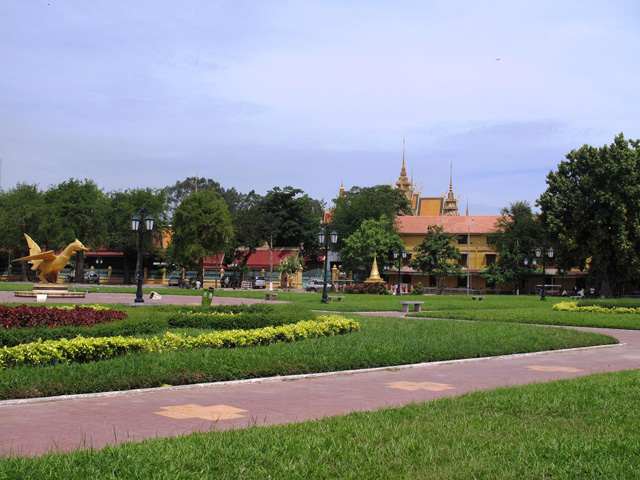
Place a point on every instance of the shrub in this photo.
(25, 316)
(366, 288)
(82, 349)
(417, 289)
(575, 307)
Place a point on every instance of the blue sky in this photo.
(260, 94)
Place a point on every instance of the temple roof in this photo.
(476, 224)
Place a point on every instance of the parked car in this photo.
(635, 294)
(93, 277)
(259, 282)
(316, 285)
(175, 281)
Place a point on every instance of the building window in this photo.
(462, 239)
(490, 258)
(463, 260)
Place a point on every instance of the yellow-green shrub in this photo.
(82, 349)
(573, 307)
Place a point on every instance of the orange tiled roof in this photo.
(477, 224)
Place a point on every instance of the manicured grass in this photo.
(381, 342)
(581, 428)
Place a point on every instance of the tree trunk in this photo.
(603, 284)
(201, 270)
(79, 266)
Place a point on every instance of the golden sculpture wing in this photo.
(48, 255)
(33, 246)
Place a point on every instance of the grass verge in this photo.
(580, 428)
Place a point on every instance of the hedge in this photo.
(574, 307)
(81, 349)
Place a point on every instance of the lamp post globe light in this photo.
(541, 253)
(323, 239)
(137, 227)
(399, 256)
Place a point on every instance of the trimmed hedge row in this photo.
(161, 319)
(228, 320)
(610, 302)
(574, 307)
(82, 349)
(27, 316)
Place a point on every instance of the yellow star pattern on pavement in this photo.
(413, 386)
(214, 412)
(552, 368)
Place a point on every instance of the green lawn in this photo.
(381, 342)
(581, 428)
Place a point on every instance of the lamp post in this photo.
(386, 271)
(324, 240)
(545, 252)
(399, 256)
(99, 264)
(561, 270)
(137, 227)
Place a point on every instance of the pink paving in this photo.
(34, 427)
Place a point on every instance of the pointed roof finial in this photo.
(467, 205)
(196, 181)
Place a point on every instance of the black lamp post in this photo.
(324, 240)
(99, 264)
(400, 256)
(545, 252)
(136, 227)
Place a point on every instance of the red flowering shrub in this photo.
(25, 316)
(370, 288)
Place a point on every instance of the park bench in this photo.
(417, 306)
(338, 298)
(477, 298)
(576, 297)
(270, 295)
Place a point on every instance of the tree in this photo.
(122, 206)
(518, 232)
(201, 227)
(360, 204)
(288, 266)
(74, 209)
(373, 238)
(591, 209)
(21, 211)
(437, 256)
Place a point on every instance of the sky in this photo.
(313, 94)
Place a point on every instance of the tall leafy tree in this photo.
(201, 227)
(437, 255)
(75, 209)
(518, 232)
(373, 238)
(122, 206)
(367, 203)
(592, 209)
(21, 211)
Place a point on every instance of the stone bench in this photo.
(577, 297)
(417, 306)
(338, 298)
(477, 298)
(270, 295)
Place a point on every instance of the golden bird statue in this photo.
(47, 262)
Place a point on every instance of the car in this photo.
(316, 285)
(259, 282)
(93, 277)
(175, 281)
(635, 294)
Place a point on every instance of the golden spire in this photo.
(196, 181)
(341, 190)
(451, 202)
(467, 206)
(403, 182)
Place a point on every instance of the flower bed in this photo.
(574, 307)
(25, 316)
(82, 349)
(366, 288)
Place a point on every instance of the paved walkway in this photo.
(129, 298)
(34, 427)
